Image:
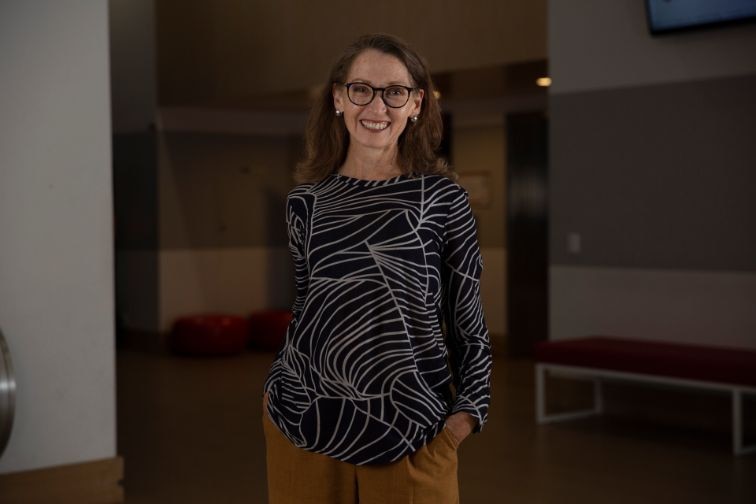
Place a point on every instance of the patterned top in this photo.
(365, 374)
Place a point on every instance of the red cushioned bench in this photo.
(726, 369)
(209, 334)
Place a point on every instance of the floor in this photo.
(189, 431)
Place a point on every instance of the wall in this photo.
(480, 147)
(221, 52)
(652, 166)
(56, 258)
(135, 153)
(133, 70)
(223, 181)
(211, 62)
(223, 243)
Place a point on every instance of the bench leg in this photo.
(737, 425)
(542, 417)
(540, 393)
(598, 396)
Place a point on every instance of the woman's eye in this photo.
(361, 89)
(396, 91)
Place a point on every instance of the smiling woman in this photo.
(369, 397)
(376, 124)
(355, 89)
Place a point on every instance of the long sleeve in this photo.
(466, 332)
(296, 218)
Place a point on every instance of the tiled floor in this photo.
(189, 430)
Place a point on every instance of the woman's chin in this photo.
(374, 142)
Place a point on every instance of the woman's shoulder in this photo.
(300, 189)
(298, 199)
(444, 187)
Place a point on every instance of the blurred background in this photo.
(146, 149)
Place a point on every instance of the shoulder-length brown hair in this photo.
(326, 136)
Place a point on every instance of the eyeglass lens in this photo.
(393, 96)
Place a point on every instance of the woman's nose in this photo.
(378, 103)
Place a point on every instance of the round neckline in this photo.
(368, 182)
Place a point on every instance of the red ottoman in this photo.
(209, 335)
(267, 329)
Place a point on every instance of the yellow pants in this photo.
(296, 476)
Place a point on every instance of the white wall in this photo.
(223, 280)
(707, 308)
(56, 257)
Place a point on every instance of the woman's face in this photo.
(375, 125)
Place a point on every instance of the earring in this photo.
(339, 113)
(413, 118)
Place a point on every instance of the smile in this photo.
(375, 126)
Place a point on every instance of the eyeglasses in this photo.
(362, 94)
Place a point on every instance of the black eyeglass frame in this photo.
(375, 90)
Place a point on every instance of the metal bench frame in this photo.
(597, 375)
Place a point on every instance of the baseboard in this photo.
(93, 482)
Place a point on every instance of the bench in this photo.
(599, 358)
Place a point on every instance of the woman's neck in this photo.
(370, 164)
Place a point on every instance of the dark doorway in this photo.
(527, 232)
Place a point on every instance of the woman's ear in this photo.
(417, 101)
(337, 91)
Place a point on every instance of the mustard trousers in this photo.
(296, 476)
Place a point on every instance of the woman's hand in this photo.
(461, 425)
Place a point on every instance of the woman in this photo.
(369, 398)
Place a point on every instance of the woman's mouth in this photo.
(375, 125)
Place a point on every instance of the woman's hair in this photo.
(326, 136)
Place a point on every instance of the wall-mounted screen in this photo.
(672, 15)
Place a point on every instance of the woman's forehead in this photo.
(378, 68)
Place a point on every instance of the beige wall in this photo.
(221, 190)
(235, 280)
(221, 219)
(480, 149)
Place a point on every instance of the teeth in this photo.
(375, 125)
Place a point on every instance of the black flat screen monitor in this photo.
(673, 15)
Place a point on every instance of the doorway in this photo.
(527, 232)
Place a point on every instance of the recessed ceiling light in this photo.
(437, 94)
(543, 81)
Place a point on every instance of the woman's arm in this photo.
(466, 332)
(296, 222)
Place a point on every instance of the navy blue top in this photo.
(367, 373)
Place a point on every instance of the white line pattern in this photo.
(366, 374)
